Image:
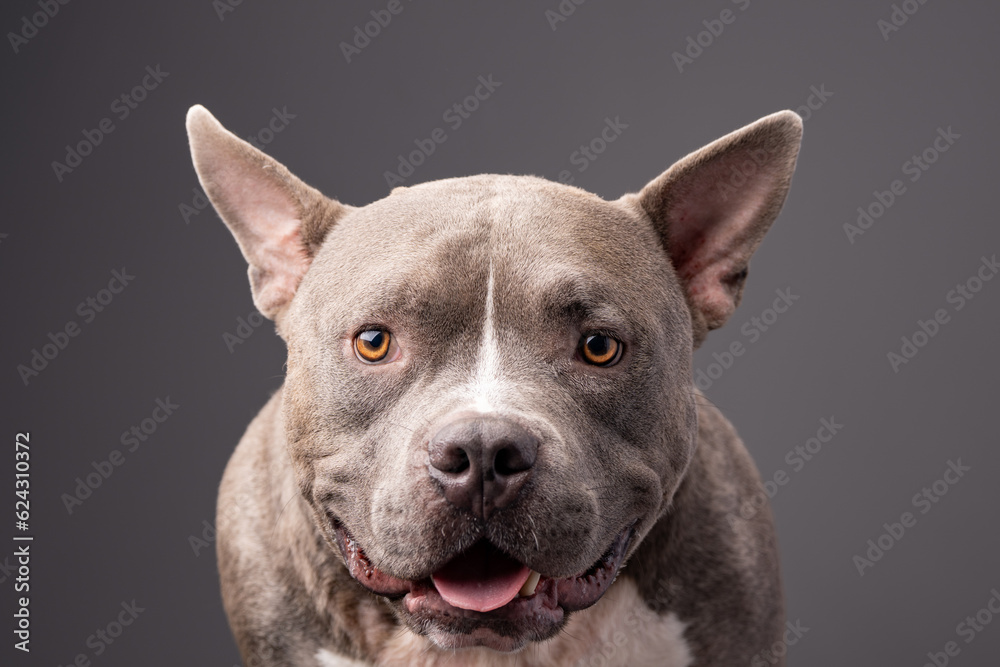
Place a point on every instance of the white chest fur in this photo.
(618, 630)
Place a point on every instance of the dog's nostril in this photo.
(512, 459)
(459, 462)
(449, 458)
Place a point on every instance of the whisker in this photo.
(277, 519)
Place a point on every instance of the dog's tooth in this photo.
(530, 584)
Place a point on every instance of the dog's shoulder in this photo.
(263, 541)
(721, 460)
(713, 557)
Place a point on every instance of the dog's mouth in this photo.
(483, 597)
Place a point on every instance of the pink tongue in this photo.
(480, 579)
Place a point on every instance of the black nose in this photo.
(482, 462)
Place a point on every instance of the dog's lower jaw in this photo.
(618, 630)
(506, 630)
(509, 628)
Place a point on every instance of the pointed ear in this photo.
(713, 207)
(279, 222)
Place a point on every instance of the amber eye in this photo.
(601, 350)
(372, 345)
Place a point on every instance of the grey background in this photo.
(826, 357)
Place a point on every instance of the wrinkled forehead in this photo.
(448, 239)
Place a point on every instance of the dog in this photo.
(488, 449)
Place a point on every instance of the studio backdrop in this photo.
(860, 368)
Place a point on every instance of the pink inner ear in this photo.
(712, 231)
(265, 207)
(270, 235)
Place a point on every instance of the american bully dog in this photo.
(488, 449)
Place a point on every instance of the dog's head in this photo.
(489, 399)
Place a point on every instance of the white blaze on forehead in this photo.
(487, 382)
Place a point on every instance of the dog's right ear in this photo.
(713, 207)
(279, 222)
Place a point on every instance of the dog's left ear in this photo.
(279, 222)
(713, 207)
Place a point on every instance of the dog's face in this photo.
(489, 401)
(489, 419)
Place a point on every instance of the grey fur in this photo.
(631, 443)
